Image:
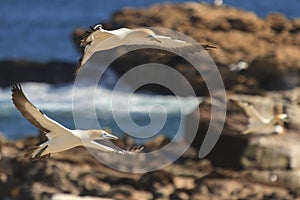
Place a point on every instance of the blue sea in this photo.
(61, 102)
(41, 31)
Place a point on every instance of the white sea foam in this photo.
(57, 101)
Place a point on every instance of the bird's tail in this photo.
(35, 152)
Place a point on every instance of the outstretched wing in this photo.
(254, 116)
(167, 44)
(100, 39)
(35, 116)
(92, 44)
(110, 149)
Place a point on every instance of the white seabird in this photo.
(218, 2)
(98, 39)
(59, 137)
(258, 124)
(236, 67)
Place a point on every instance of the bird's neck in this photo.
(81, 134)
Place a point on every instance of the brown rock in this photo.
(39, 191)
(273, 152)
(164, 192)
(160, 177)
(74, 172)
(271, 60)
(182, 182)
(74, 197)
(141, 195)
(237, 189)
(257, 151)
(278, 177)
(273, 70)
(157, 143)
(120, 192)
(179, 195)
(21, 71)
(278, 23)
(159, 183)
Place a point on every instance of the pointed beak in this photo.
(111, 137)
(286, 119)
(283, 116)
(152, 37)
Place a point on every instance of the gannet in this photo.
(218, 2)
(258, 124)
(236, 67)
(98, 39)
(59, 137)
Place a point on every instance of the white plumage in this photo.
(99, 39)
(258, 124)
(59, 137)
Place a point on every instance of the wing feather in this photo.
(91, 44)
(251, 112)
(115, 149)
(99, 40)
(168, 44)
(34, 115)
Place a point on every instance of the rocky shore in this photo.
(239, 167)
(12, 71)
(77, 175)
(270, 46)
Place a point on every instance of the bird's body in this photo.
(218, 2)
(59, 137)
(99, 39)
(262, 125)
(58, 144)
(265, 128)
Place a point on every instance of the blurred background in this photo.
(37, 30)
(37, 45)
(258, 48)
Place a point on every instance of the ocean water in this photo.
(41, 31)
(57, 102)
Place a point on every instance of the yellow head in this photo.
(101, 135)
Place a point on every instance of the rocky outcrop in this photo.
(30, 71)
(75, 174)
(270, 46)
(269, 159)
(238, 167)
(239, 35)
(74, 197)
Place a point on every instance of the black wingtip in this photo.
(92, 28)
(30, 150)
(96, 27)
(16, 86)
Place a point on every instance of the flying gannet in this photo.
(258, 124)
(218, 2)
(59, 137)
(98, 39)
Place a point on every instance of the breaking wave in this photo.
(56, 101)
